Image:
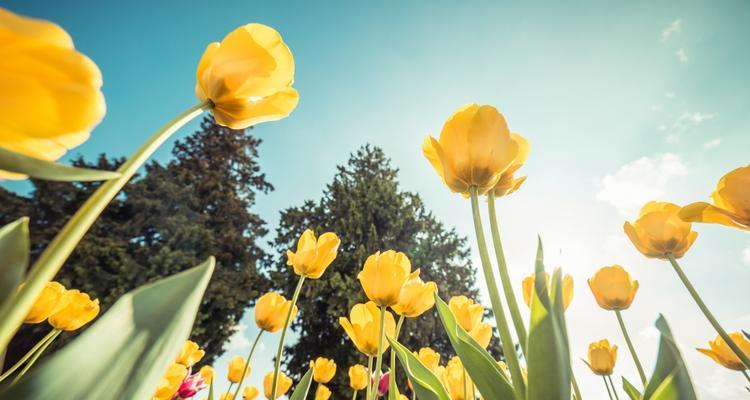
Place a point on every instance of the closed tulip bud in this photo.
(363, 327)
(567, 288)
(55, 90)
(207, 374)
(416, 297)
(474, 149)
(731, 202)
(659, 231)
(324, 368)
(322, 393)
(282, 386)
(170, 382)
(723, 355)
(51, 299)
(271, 311)
(454, 377)
(190, 354)
(236, 366)
(469, 316)
(313, 256)
(78, 311)
(383, 383)
(247, 77)
(250, 393)
(384, 275)
(602, 357)
(358, 376)
(508, 183)
(613, 288)
(429, 358)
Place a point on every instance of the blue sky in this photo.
(622, 103)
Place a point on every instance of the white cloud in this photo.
(649, 332)
(746, 255)
(681, 55)
(697, 118)
(238, 340)
(640, 181)
(723, 385)
(712, 144)
(674, 27)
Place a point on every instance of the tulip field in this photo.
(141, 348)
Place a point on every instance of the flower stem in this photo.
(354, 396)
(466, 388)
(502, 267)
(392, 376)
(509, 349)
(614, 390)
(369, 377)
(604, 378)
(28, 354)
(379, 362)
(54, 256)
(631, 348)
(247, 364)
(295, 296)
(732, 345)
(744, 372)
(36, 356)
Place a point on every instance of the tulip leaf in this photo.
(300, 392)
(124, 354)
(393, 393)
(36, 168)
(426, 385)
(630, 390)
(548, 357)
(14, 247)
(670, 379)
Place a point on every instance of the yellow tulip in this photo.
(429, 358)
(469, 316)
(324, 369)
(250, 393)
(170, 382)
(659, 230)
(51, 93)
(602, 357)
(50, 300)
(474, 149)
(731, 202)
(247, 77)
(271, 310)
(313, 256)
(358, 377)
(282, 386)
(236, 366)
(453, 377)
(508, 183)
(567, 288)
(363, 327)
(227, 396)
(384, 275)
(78, 311)
(416, 297)
(613, 288)
(190, 354)
(322, 393)
(207, 374)
(723, 355)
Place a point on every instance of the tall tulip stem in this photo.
(732, 345)
(502, 267)
(36, 356)
(369, 377)
(609, 392)
(392, 376)
(379, 362)
(49, 336)
(295, 296)
(744, 372)
(354, 396)
(247, 364)
(614, 389)
(497, 304)
(54, 256)
(631, 348)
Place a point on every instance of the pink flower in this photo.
(383, 384)
(190, 386)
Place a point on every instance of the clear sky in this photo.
(623, 102)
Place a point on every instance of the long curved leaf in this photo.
(670, 379)
(426, 385)
(630, 390)
(34, 167)
(14, 250)
(300, 392)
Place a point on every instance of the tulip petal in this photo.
(704, 212)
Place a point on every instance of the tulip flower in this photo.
(659, 231)
(613, 288)
(322, 393)
(78, 311)
(226, 396)
(602, 357)
(190, 354)
(250, 393)
(324, 369)
(731, 202)
(384, 275)
(456, 381)
(363, 325)
(429, 358)
(191, 385)
(247, 77)
(416, 297)
(53, 91)
(283, 385)
(474, 149)
(313, 256)
(723, 355)
(170, 382)
(567, 288)
(236, 367)
(358, 376)
(207, 373)
(469, 316)
(271, 310)
(507, 183)
(50, 300)
(383, 383)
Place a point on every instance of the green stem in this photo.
(392, 376)
(497, 306)
(575, 386)
(614, 389)
(466, 388)
(631, 347)
(732, 345)
(744, 372)
(502, 267)
(379, 362)
(36, 356)
(369, 377)
(229, 389)
(354, 396)
(247, 365)
(604, 378)
(54, 256)
(28, 354)
(295, 296)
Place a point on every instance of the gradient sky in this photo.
(623, 102)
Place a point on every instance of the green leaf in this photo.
(426, 385)
(300, 392)
(483, 369)
(630, 390)
(34, 167)
(14, 247)
(393, 393)
(670, 379)
(548, 355)
(124, 354)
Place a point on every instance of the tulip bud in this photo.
(271, 310)
(613, 288)
(282, 386)
(313, 256)
(602, 357)
(190, 354)
(324, 369)
(384, 275)
(659, 231)
(50, 300)
(236, 366)
(358, 377)
(416, 297)
(78, 311)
